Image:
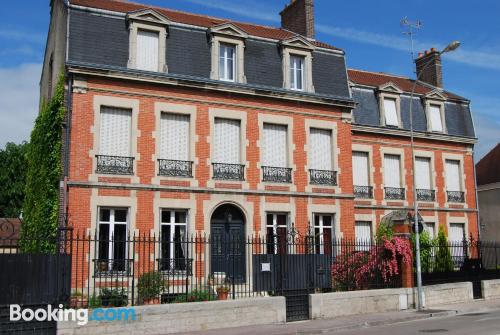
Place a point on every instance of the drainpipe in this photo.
(69, 102)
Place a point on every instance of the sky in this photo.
(369, 31)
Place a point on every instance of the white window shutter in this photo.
(226, 141)
(392, 171)
(453, 175)
(115, 131)
(429, 228)
(435, 118)
(363, 231)
(320, 149)
(456, 233)
(360, 168)
(147, 50)
(423, 173)
(390, 112)
(275, 145)
(174, 139)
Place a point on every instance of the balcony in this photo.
(181, 266)
(117, 267)
(323, 177)
(426, 195)
(175, 168)
(364, 192)
(224, 171)
(455, 196)
(115, 165)
(394, 193)
(276, 174)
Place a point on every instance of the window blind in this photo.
(456, 233)
(363, 231)
(392, 172)
(423, 173)
(275, 145)
(390, 112)
(174, 139)
(226, 141)
(360, 168)
(435, 118)
(429, 228)
(147, 50)
(453, 175)
(115, 129)
(320, 149)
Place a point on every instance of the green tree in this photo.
(40, 211)
(444, 262)
(384, 231)
(427, 246)
(12, 178)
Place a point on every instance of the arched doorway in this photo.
(227, 230)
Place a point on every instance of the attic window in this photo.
(435, 118)
(297, 64)
(296, 73)
(390, 112)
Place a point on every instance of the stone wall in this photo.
(491, 289)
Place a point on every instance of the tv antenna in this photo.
(410, 27)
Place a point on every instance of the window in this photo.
(323, 233)
(456, 237)
(363, 234)
(227, 62)
(435, 121)
(392, 171)
(361, 178)
(115, 131)
(276, 233)
(296, 73)
(174, 143)
(173, 240)
(429, 228)
(147, 54)
(320, 149)
(275, 145)
(390, 112)
(112, 229)
(457, 232)
(453, 175)
(423, 173)
(227, 141)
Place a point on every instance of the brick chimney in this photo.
(298, 16)
(433, 73)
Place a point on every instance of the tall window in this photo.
(112, 229)
(174, 143)
(227, 62)
(363, 234)
(453, 175)
(392, 171)
(390, 112)
(227, 141)
(436, 122)
(423, 173)
(296, 73)
(147, 50)
(323, 233)
(115, 131)
(275, 145)
(429, 228)
(361, 177)
(276, 232)
(173, 240)
(320, 149)
(456, 237)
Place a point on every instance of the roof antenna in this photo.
(410, 28)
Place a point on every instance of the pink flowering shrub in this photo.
(354, 270)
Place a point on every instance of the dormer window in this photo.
(389, 96)
(147, 54)
(296, 73)
(434, 106)
(435, 121)
(227, 62)
(390, 112)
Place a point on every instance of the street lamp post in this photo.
(450, 47)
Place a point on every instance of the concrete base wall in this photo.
(443, 294)
(330, 305)
(188, 317)
(491, 289)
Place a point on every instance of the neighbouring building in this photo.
(488, 190)
(179, 123)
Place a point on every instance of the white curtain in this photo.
(453, 175)
(275, 145)
(226, 141)
(320, 149)
(363, 231)
(392, 171)
(296, 72)
(360, 168)
(435, 118)
(423, 173)
(147, 50)
(115, 131)
(456, 233)
(390, 112)
(174, 139)
(226, 61)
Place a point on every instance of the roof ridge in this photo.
(382, 74)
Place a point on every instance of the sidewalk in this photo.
(360, 321)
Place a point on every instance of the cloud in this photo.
(19, 35)
(19, 92)
(257, 12)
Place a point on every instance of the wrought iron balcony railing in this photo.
(394, 193)
(115, 165)
(112, 267)
(226, 171)
(426, 195)
(455, 196)
(276, 174)
(365, 192)
(175, 168)
(182, 266)
(323, 177)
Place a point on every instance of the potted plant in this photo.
(223, 290)
(150, 286)
(78, 300)
(113, 297)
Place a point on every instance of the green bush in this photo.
(150, 285)
(427, 246)
(444, 262)
(384, 231)
(95, 301)
(194, 296)
(113, 297)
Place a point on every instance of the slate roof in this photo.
(195, 19)
(488, 168)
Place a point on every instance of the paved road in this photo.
(487, 323)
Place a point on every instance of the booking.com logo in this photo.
(81, 315)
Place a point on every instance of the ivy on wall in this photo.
(41, 205)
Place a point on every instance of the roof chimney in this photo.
(433, 73)
(298, 16)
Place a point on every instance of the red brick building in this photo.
(180, 123)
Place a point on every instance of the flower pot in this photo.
(78, 302)
(152, 301)
(222, 295)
